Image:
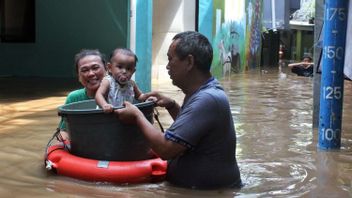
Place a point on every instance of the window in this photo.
(17, 21)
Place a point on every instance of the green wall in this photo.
(218, 4)
(63, 27)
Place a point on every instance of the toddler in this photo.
(118, 87)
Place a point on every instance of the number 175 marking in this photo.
(336, 12)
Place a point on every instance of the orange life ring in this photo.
(64, 163)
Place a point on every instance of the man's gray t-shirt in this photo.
(205, 126)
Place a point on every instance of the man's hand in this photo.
(128, 114)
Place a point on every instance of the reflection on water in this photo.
(277, 152)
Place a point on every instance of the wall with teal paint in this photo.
(218, 4)
(62, 29)
(144, 18)
(205, 19)
(237, 42)
(229, 38)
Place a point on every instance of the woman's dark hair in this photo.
(197, 45)
(88, 52)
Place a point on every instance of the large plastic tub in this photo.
(97, 135)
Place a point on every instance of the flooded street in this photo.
(276, 146)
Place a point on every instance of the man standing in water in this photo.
(304, 68)
(200, 145)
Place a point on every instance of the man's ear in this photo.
(190, 62)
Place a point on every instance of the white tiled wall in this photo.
(169, 18)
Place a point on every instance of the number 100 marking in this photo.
(330, 134)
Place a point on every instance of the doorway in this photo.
(169, 18)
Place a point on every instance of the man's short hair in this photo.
(195, 44)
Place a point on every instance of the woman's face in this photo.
(91, 71)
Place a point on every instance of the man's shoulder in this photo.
(212, 89)
(212, 95)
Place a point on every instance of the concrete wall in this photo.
(63, 27)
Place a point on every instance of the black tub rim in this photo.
(63, 111)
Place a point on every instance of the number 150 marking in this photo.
(332, 52)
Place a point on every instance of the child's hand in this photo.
(108, 108)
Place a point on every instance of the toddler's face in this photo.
(122, 68)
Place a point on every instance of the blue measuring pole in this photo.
(331, 90)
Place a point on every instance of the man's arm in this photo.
(164, 148)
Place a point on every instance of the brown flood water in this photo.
(276, 145)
